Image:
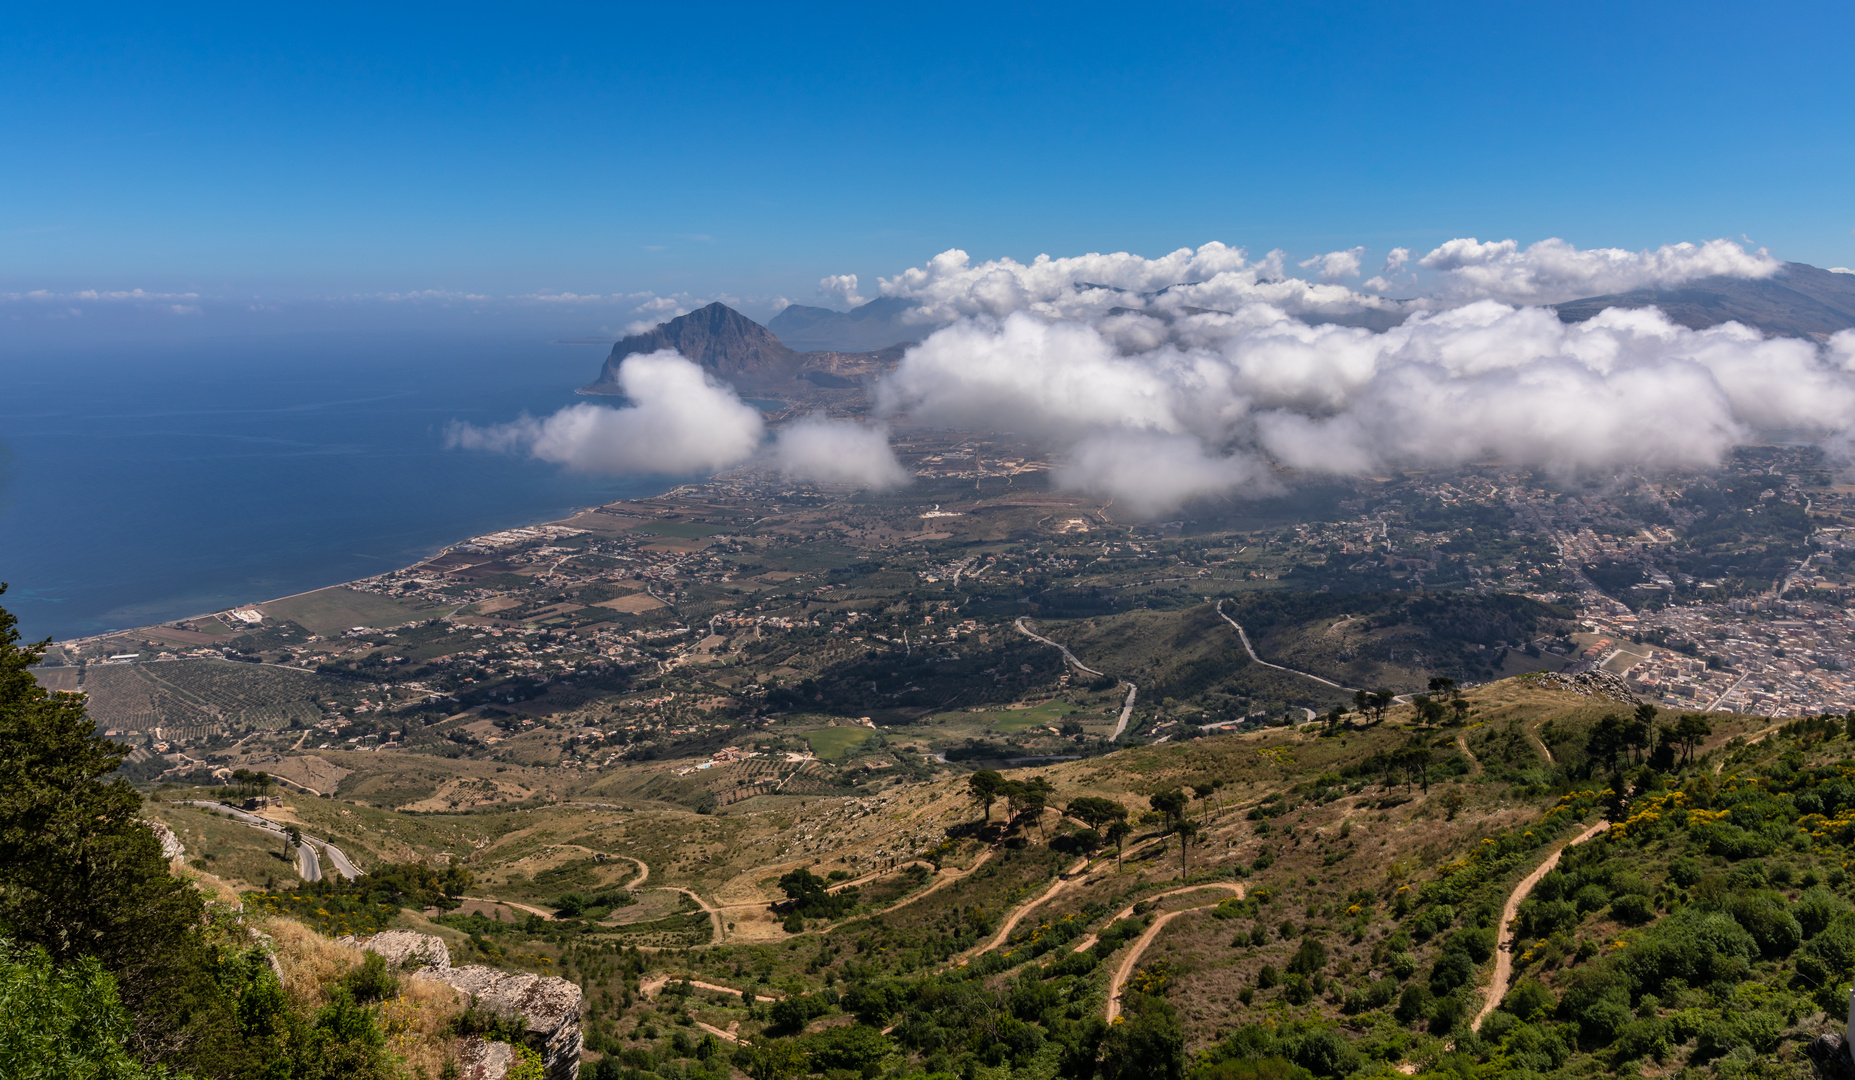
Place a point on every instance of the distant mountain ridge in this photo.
(1798, 301)
(873, 325)
(739, 350)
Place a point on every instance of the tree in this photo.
(1031, 802)
(776, 1059)
(81, 875)
(1607, 741)
(1202, 792)
(65, 1022)
(1148, 1043)
(1639, 731)
(1188, 831)
(1690, 731)
(1170, 803)
(1117, 832)
(1442, 686)
(985, 786)
(1096, 812)
(1381, 701)
(1415, 762)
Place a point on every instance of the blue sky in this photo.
(315, 150)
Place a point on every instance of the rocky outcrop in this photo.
(548, 1007)
(478, 1059)
(718, 338)
(406, 949)
(171, 847)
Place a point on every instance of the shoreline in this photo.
(572, 512)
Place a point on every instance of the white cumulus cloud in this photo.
(678, 421)
(825, 451)
(1552, 271)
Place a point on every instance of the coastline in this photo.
(571, 513)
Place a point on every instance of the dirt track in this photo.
(1126, 970)
(1504, 946)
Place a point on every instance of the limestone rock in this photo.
(406, 949)
(548, 1007)
(478, 1059)
(171, 847)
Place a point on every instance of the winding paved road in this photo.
(336, 856)
(1248, 648)
(307, 864)
(1127, 708)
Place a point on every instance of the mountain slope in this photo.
(717, 337)
(1797, 301)
(741, 351)
(875, 325)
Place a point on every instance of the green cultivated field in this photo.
(833, 743)
(328, 610)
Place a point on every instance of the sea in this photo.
(145, 483)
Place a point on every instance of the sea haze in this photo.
(142, 484)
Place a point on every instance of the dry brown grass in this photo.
(415, 1024)
(310, 962)
(415, 1021)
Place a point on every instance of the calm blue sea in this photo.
(149, 483)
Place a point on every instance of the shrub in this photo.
(1415, 1004)
(1817, 908)
(1309, 958)
(1831, 952)
(1632, 909)
(1529, 1000)
(1768, 919)
(371, 981)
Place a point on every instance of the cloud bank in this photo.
(1152, 412)
(1209, 373)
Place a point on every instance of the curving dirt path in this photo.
(1126, 970)
(942, 882)
(531, 909)
(650, 986)
(1751, 741)
(1533, 733)
(714, 913)
(1504, 946)
(1462, 744)
(644, 872)
(873, 875)
(1062, 882)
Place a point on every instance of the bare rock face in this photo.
(406, 949)
(548, 1007)
(171, 847)
(481, 1060)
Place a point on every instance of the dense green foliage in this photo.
(114, 964)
